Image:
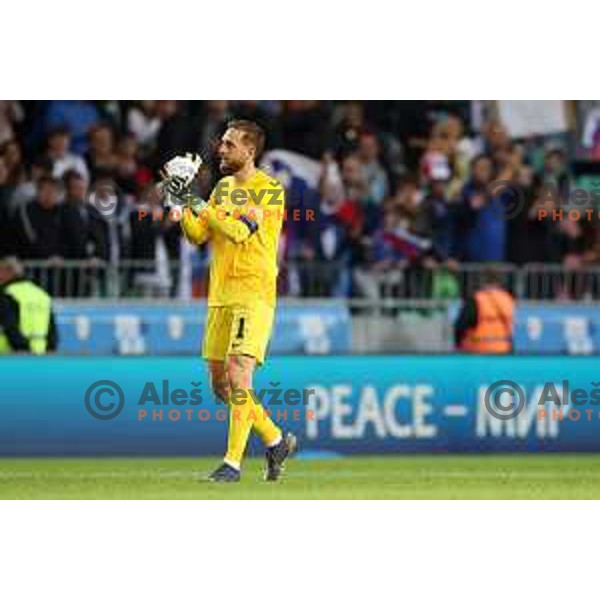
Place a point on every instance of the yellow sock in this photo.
(240, 424)
(264, 426)
(243, 416)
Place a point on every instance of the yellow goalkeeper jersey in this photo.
(243, 224)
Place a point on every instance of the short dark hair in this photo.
(253, 133)
(48, 180)
(60, 130)
(71, 175)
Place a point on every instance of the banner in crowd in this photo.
(341, 405)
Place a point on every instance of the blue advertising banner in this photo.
(552, 328)
(130, 328)
(359, 405)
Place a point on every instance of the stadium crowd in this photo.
(402, 189)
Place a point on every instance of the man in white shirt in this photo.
(59, 141)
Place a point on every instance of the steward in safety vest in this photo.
(485, 324)
(26, 317)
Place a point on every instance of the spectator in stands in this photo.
(75, 217)
(305, 127)
(555, 171)
(373, 171)
(494, 137)
(11, 116)
(155, 240)
(178, 133)
(26, 188)
(102, 157)
(383, 274)
(61, 157)
(131, 176)
(213, 122)
(369, 142)
(461, 148)
(435, 218)
(108, 210)
(77, 116)
(355, 202)
(144, 124)
(481, 226)
(38, 224)
(13, 159)
(346, 134)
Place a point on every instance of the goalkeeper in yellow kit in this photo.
(242, 221)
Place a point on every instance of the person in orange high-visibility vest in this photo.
(485, 323)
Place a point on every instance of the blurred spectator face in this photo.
(58, 143)
(166, 108)
(482, 170)
(47, 194)
(439, 142)
(76, 187)
(301, 105)
(352, 174)
(454, 128)
(438, 188)
(148, 106)
(554, 161)
(102, 140)
(128, 148)
(407, 196)
(217, 108)
(525, 176)
(12, 155)
(368, 148)
(354, 115)
(391, 219)
(496, 135)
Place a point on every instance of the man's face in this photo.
(482, 171)
(102, 140)
(47, 195)
(59, 144)
(76, 188)
(234, 152)
(369, 148)
(351, 171)
(553, 162)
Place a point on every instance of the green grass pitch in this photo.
(402, 477)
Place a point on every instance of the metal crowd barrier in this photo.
(311, 279)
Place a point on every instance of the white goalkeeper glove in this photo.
(178, 175)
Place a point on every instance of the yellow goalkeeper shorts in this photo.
(238, 330)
